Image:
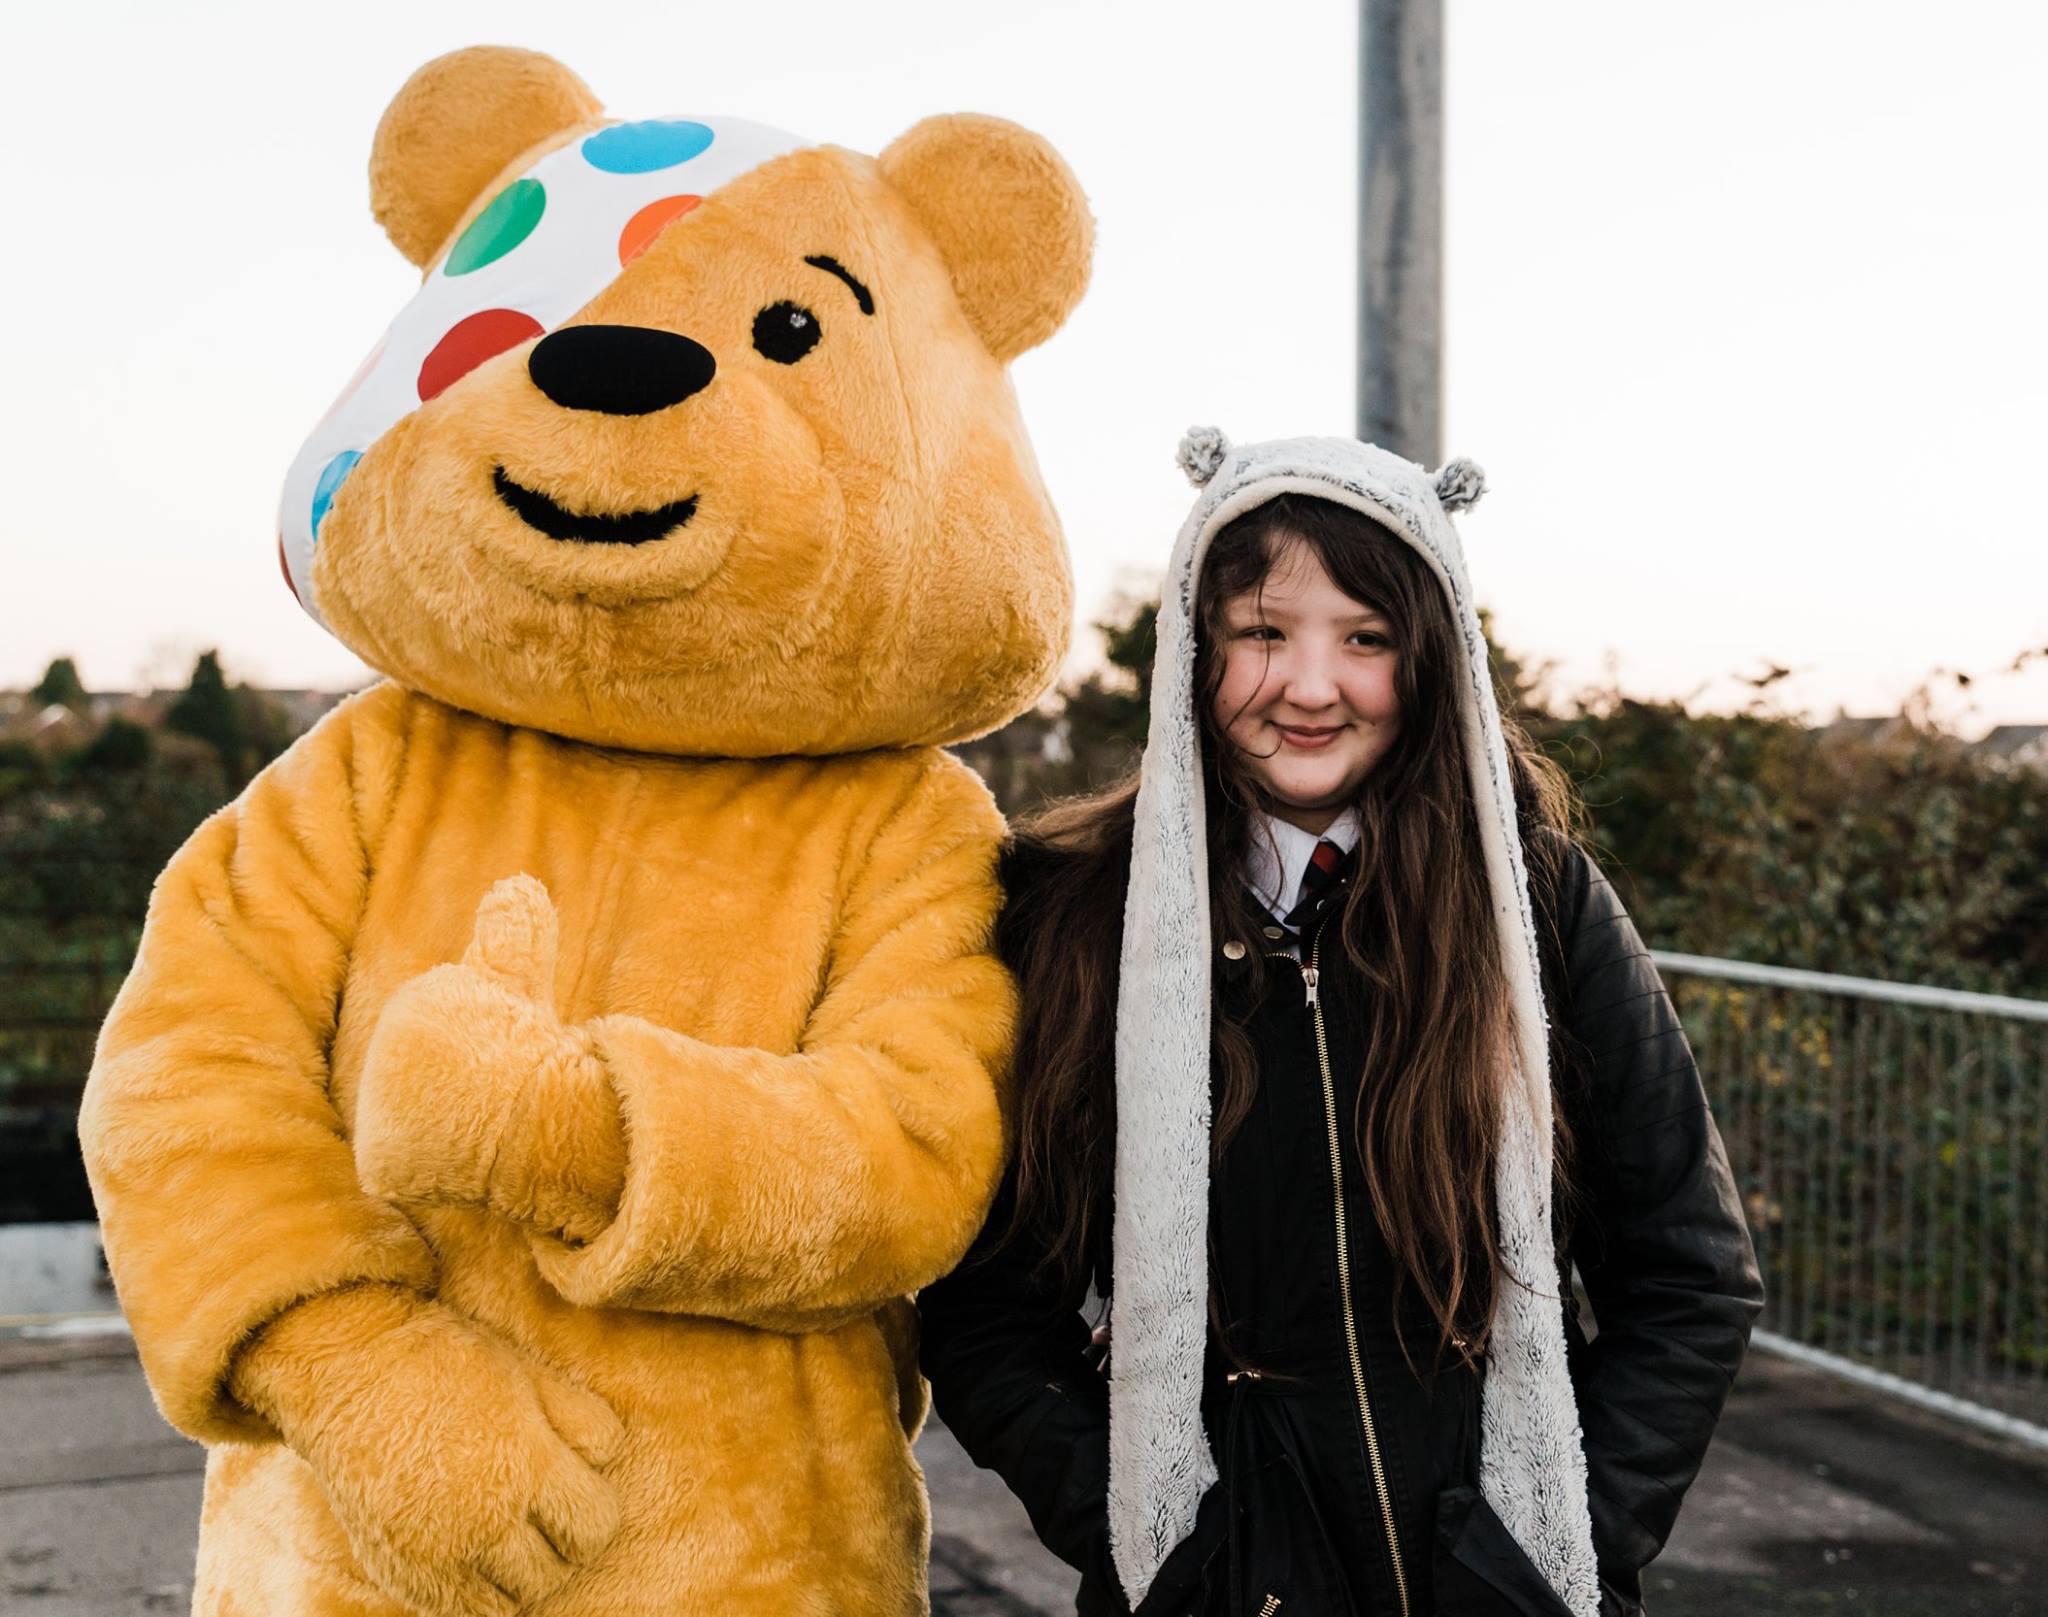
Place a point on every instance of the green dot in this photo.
(502, 226)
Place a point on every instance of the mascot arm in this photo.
(796, 1191)
(225, 1187)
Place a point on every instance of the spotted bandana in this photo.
(542, 248)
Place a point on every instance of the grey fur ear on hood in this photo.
(1459, 484)
(1201, 453)
(1532, 1465)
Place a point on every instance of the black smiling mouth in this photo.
(591, 527)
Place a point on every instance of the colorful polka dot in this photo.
(332, 476)
(284, 566)
(648, 223)
(641, 148)
(503, 225)
(470, 341)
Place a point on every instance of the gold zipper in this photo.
(1272, 1605)
(1311, 976)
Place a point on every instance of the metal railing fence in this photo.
(1889, 1142)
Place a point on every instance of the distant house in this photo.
(145, 708)
(2024, 746)
(303, 709)
(1020, 756)
(1871, 731)
(55, 728)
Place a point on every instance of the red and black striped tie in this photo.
(1318, 879)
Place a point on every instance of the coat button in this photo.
(1275, 933)
(1233, 950)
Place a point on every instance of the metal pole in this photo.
(1401, 227)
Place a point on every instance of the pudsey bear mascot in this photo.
(535, 1098)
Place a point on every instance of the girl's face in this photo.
(1307, 695)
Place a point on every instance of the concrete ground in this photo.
(1818, 1496)
(99, 1500)
(1816, 1499)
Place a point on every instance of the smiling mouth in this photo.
(591, 527)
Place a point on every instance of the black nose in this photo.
(621, 370)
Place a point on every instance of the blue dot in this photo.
(643, 147)
(330, 483)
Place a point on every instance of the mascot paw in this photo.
(474, 1092)
(465, 1474)
(455, 1052)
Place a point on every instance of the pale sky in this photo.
(1745, 299)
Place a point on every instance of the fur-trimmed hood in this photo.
(1532, 1464)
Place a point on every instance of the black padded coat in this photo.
(1349, 1483)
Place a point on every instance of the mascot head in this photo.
(697, 438)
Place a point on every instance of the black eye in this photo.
(785, 332)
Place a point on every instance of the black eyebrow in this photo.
(832, 266)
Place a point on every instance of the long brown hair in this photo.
(1417, 924)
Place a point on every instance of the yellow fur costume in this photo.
(535, 1097)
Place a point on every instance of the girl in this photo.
(1337, 1054)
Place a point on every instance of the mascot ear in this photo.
(1009, 217)
(452, 129)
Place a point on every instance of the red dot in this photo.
(470, 341)
(285, 567)
(645, 225)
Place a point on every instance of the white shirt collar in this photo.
(1279, 854)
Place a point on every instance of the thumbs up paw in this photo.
(475, 1092)
(516, 939)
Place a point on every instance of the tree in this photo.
(266, 727)
(61, 685)
(1516, 682)
(20, 764)
(242, 725)
(1108, 710)
(207, 711)
(122, 744)
(1751, 836)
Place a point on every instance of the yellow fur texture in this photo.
(537, 1096)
